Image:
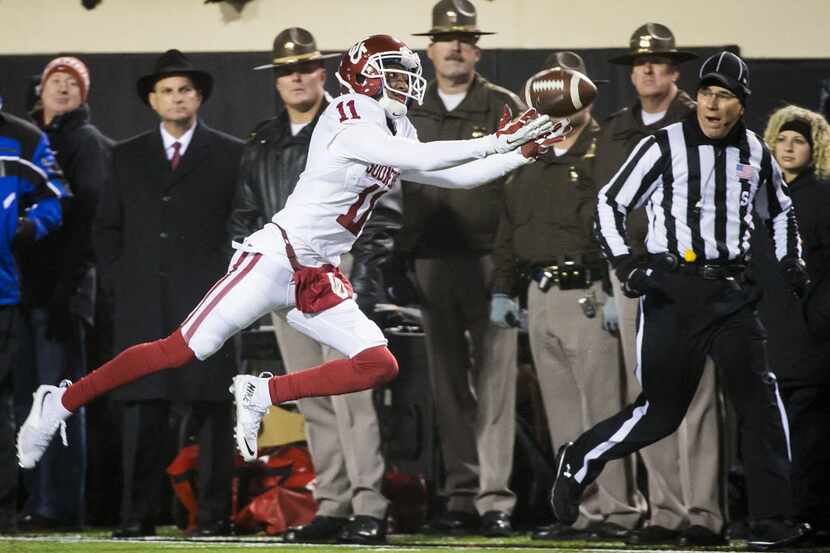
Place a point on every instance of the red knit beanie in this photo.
(73, 66)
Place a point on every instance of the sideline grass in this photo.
(170, 540)
(89, 546)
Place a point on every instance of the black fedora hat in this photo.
(454, 17)
(170, 64)
(652, 39)
(293, 46)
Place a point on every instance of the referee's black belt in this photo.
(673, 263)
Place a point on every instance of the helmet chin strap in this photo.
(393, 108)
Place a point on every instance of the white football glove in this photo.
(542, 145)
(513, 133)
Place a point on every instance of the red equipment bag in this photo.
(278, 491)
(182, 472)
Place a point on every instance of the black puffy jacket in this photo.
(55, 267)
(796, 355)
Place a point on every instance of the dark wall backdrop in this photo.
(242, 97)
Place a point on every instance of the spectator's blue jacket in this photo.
(31, 186)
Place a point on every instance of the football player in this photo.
(362, 145)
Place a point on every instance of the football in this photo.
(559, 92)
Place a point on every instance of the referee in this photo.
(699, 180)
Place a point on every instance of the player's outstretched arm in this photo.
(471, 174)
(481, 171)
(371, 144)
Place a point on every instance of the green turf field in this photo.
(102, 547)
(96, 541)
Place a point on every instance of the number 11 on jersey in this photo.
(352, 112)
(354, 219)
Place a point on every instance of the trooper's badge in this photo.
(478, 132)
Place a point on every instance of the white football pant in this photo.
(257, 284)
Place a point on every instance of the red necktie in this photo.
(177, 156)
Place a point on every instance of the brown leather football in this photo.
(559, 92)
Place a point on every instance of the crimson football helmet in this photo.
(368, 65)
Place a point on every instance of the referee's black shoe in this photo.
(769, 534)
(566, 492)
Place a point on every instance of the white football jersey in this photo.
(335, 194)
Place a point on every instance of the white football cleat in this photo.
(253, 400)
(46, 417)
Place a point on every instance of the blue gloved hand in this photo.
(610, 317)
(504, 311)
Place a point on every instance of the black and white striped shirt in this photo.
(699, 195)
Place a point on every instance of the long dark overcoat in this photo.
(161, 242)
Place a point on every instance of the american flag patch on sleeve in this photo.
(744, 171)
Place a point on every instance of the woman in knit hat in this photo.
(799, 347)
(800, 140)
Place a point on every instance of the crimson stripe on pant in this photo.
(215, 285)
(219, 292)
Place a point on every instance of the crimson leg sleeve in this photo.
(129, 365)
(369, 368)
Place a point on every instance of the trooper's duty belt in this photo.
(673, 263)
(567, 275)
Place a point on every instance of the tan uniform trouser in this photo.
(472, 367)
(684, 469)
(342, 432)
(577, 363)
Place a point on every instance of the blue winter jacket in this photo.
(31, 186)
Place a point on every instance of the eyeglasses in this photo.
(720, 95)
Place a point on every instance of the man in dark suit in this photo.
(160, 237)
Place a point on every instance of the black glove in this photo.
(397, 285)
(795, 273)
(635, 276)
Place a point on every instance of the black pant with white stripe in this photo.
(679, 325)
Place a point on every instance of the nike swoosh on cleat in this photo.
(251, 453)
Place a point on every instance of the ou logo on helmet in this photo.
(357, 51)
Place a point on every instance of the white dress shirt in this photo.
(168, 140)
